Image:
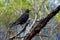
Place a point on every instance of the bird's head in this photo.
(27, 10)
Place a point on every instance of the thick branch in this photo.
(42, 24)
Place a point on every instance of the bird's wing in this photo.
(19, 20)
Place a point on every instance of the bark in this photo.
(42, 24)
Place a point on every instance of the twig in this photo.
(46, 9)
(20, 31)
(42, 35)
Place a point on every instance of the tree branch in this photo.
(42, 24)
(20, 31)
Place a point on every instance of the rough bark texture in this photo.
(42, 24)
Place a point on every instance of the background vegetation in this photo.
(10, 11)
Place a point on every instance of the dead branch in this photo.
(42, 24)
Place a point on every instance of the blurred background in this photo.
(11, 10)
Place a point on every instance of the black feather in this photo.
(22, 19)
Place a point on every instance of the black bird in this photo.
(22, 19)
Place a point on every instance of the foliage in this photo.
(10, 10)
